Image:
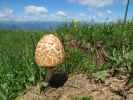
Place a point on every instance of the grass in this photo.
(18, 70)
(83, 98)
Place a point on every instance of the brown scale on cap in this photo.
(49, 52)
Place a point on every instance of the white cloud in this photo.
(94, 3)
(36, 10)
(84, 17)
(82, 14)
(109, 11)
(100, 14)
(58, 16)
(6, 12)
(61, 14)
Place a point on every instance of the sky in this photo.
(64, 10)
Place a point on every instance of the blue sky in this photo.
(60, 10)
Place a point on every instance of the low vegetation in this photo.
(82, 98)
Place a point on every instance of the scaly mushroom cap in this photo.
(49, 51)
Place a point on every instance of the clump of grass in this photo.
(82, 98)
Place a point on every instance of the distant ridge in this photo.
(29, 25)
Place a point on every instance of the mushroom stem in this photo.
(50, 72)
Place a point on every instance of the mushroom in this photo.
(49, 53)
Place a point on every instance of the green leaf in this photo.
(101, 75)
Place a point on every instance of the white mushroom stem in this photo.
(50, 72)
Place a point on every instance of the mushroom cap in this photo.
(49, 51)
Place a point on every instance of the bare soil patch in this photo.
(80, 85)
